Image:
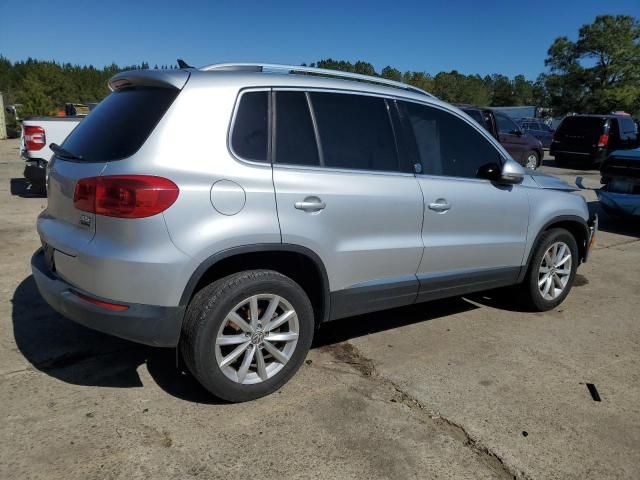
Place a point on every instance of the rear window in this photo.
(120, 124)
(582, 125)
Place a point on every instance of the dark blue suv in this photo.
(538, 129)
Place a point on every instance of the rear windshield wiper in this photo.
(61, 152)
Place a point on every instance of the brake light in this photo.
(125, 196)
(603, 140)
(34, 137)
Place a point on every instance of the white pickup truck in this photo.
(37, 134)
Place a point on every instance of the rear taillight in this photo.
(603, 140)
(125, 196)
(34, 138)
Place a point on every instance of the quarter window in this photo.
(447, 145)
(250, 139)
(355, 131)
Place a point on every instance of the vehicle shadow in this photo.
(21, 187)
(77, 355)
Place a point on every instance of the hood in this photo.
(550, 182)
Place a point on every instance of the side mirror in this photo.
(510, 172)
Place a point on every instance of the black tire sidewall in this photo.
(205, 365)
(549, 238)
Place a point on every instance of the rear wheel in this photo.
(552, 270)
(244, 336)
(531, 160)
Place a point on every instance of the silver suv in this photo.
(230, 210)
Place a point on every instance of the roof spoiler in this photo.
(149, 78)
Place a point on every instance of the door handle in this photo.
(313, 204)
(440, 206)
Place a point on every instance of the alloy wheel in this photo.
(554, 271)
(532, 161)
(257, 338)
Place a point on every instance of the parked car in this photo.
(38, 133)
(537, 128)
(620, 193)
(589, 139)
(234, 232)
(523, 148)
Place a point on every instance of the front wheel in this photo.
(245, 335)
(531, 160)
(551, 271)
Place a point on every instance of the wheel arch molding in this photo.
(575, 224)
(289, 259)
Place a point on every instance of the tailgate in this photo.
(61, 225)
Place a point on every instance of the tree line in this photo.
(597, 73)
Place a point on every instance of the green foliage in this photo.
(598, 73)
(43, 87)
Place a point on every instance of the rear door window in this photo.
(250, 138)
(446, 144)
(355, 131)
(295, 138)
(120, 124)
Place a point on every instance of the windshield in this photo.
(120, 124)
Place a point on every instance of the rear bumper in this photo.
(148, 324)
(594, 157)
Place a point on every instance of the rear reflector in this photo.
(100, 303)
(34, 138)
(603, 140)
(125, 196)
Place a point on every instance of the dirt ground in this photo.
(463, 388)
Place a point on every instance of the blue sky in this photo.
(482, 37)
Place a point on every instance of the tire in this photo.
(532, 295)
(209, 322)
(532, 160)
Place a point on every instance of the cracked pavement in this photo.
(460, 388)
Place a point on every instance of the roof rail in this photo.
(263, 67)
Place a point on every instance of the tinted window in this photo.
(505, 124)
(107, 133)
(295, 138)
(249, 138)
(575, 125)
(447, 145)
(628, 125)
(476, 115)
(355, 131)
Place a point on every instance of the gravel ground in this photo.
(463, 388)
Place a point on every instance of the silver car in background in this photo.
(231, 210)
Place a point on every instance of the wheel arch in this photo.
(296, 262)
(576, 225)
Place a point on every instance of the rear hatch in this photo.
(580, 134)
(115, 130)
